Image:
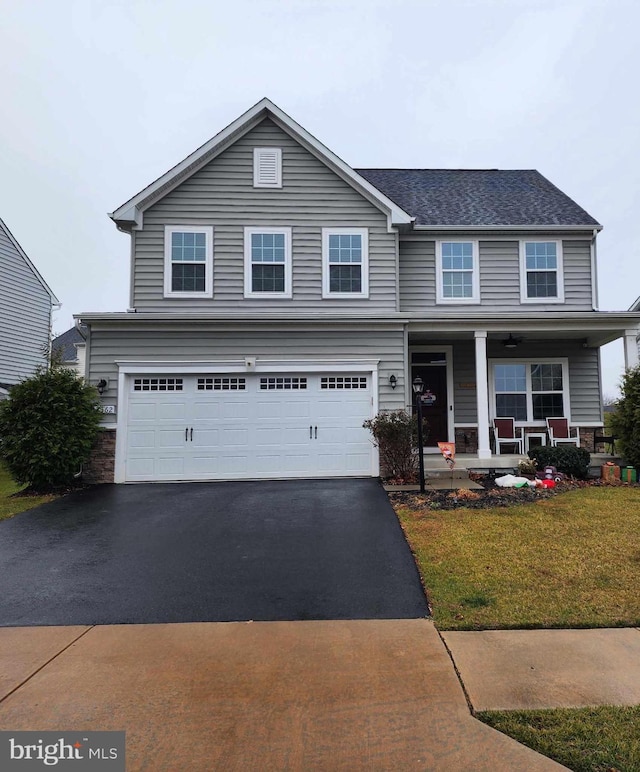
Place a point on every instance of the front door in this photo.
(432, 368)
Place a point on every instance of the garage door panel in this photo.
(206, 438)
(171, 438)
(206, 411)
(356, 463)
(142, 439)
(172, 411)
(170, 467)
(234, 437)
(140, 468)
(143, 411)
(250, 431)
(238, 411)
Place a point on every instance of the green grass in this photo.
(602, 739)
(568, 561)
(9, 504)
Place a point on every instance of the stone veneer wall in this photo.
(101, 465)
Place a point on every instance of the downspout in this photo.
(594, 271)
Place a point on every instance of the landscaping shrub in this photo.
(47, 427)
(393, 436)
(625, 422)
(566, 458)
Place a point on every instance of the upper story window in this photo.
(530, 391)
(541, 275)
(267, 262)
(267, 167)
(345, 263)
(188, 261)
(457, 279)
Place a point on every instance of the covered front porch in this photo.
(435, 466)
(510, 365)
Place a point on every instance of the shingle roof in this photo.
(478, 197)
(65, 343)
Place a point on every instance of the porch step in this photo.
(458, 473)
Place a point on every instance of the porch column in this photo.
(482, 392)
(630, 349)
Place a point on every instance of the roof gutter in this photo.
(497, 227)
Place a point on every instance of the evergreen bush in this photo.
(625, 422)
(47, 428)
(567, 459)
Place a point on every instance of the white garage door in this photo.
(223, 427)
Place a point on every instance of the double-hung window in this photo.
(345, 263)
(267, 262)
(457, 279)
(530, 391)
(541, 275)
(188, 261)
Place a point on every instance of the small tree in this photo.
(625, 422)
(47, 428)
(393, 436)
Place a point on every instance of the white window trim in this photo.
(208, 279)
(559, 272)
(257, 151)
(475, 298)
(288, 293)
(530, 361)
(364, 235)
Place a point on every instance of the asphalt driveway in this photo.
(198, 552)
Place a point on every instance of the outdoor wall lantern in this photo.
(393, 381)
(102, 385)
(418, 388)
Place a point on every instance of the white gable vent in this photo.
(267, 167)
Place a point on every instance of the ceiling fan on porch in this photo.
(511, 341)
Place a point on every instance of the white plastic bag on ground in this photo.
(511, 481)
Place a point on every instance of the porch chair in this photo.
(560, 431)
(504, 432)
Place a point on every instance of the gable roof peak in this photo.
(129, 216)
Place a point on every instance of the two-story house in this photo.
(279, 298)
(26, 305)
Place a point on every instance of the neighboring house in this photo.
(279, 298)
(70, 346)
(26, 304)
(636, 307)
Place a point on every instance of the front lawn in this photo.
(9, 504)
(572, 560)
(601, 739)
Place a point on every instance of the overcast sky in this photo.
(98, 98)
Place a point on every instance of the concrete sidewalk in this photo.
(345, 695)
(531, 669)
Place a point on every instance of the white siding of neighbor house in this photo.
(499, 276)
(221, 194)
(584, 375)
(199, 342)
(25, 315)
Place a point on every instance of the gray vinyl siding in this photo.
(25, 315)
(499, 278)
(210, 344)
(221, 194)
(584, 376)
(417, 275)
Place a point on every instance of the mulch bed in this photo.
(492, 495)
